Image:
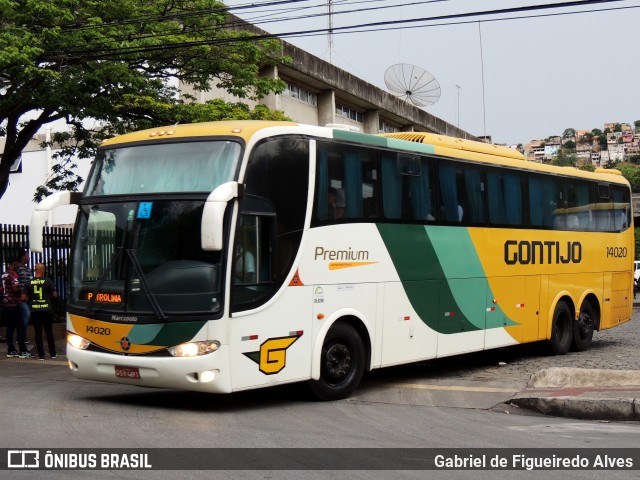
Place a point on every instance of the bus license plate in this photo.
(127, 372)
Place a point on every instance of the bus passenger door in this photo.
(270, 341)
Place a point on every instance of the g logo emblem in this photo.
(272, 357)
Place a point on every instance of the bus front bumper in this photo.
(206, 373)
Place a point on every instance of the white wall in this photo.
(17, 204)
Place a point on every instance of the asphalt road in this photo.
(450, 403)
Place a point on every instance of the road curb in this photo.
(583, 408)
(591, 394)
(557, 377)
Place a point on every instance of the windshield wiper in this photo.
(145, 286)
(143, 282)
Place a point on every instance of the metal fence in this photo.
(14, 240)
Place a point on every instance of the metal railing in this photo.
(14, 240)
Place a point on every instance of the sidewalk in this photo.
(583, 393)
(59, 334)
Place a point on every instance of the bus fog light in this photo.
(208, 376)
(194, 349)
(77, 341)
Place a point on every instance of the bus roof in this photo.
(456, 143)
(236, 128)
(419, 142)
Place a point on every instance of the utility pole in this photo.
(330, 30)
(458, 113)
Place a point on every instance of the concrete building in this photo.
(28, 173)
(317, 93)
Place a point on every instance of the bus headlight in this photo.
(194, 349)
(77, 341)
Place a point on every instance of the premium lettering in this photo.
(341, 255)
(541, 252)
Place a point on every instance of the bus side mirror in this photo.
(40, 215)
(211, 227)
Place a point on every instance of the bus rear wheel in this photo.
(342, 364)
(583, 327)
(561, 329)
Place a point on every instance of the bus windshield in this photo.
(164, 168)
(144, 257)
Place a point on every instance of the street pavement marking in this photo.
(459, 388)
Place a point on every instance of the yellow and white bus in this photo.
(228, 256)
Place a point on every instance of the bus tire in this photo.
(342, 364)
(561, 329)
(583, 327)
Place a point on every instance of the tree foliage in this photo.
(565, 158)
(632, 174)
(117, 62)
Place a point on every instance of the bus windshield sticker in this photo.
(144, 210)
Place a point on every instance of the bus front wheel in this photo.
(561, 329)
(583, 327)
(342, 364)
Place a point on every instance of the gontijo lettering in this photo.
(341, 255)
(539, 252)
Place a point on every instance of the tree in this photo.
(568, 133)
(117, 62)
(632, 174)
(564, 158)
(635, 159)
(637, 125)
(589, 167)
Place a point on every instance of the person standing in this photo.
(24, 275)
(39, 292)
(11, 300)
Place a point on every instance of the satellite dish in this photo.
(413, 84)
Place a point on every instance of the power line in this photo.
(96, 53)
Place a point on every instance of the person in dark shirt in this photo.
(12, 314)
(39, 292)
(24, 275)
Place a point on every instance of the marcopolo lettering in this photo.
(541, 252)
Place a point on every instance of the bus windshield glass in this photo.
(144, 257)
(164, 168)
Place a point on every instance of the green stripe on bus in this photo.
(359, 138)
(144, 334)
(442, 276)
(168, 335)
(377, 141)
(457, 255)
(412, 146)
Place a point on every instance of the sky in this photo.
(515, 80)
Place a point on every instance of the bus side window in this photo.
(407, 187)
(504, 197)
(252, 262)
(462, 191)
(450, 206)
(346, 184)
(546, 205)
